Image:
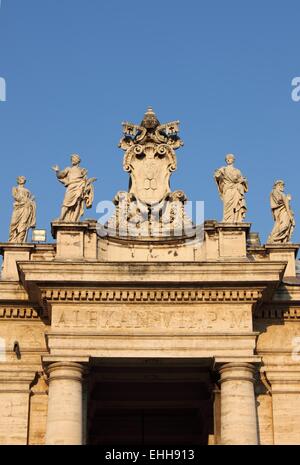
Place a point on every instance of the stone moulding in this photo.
(146, 283)
(150, 296)
(19, 313)
(172, 272)
(277, 313)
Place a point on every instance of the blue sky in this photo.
(75, 69)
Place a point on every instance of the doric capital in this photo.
(65, 371)
(237, 372)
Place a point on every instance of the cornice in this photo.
(171, 272)
(150, 295)
(274, 311)
(19, 313)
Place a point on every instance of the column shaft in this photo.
(238, 409)
(64, 422)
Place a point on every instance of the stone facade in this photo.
(237, 313)
(197, 337)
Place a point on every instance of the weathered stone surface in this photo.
(232, 186)
(282, 214)
(79, 190)
(64, 420)
(24, 213)
(238, 408)
(158, 318)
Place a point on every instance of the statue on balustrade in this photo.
(282, 215)
(24, 212)
(232, 186)
(79, 193)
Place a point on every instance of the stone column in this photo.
(238, 409)
(64, 422)
(285, 385)
(15, 381)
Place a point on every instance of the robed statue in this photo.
(79, 190)
(282, 215)
(232, 187)
(24, 212)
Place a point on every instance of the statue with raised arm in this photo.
(24, 212)
(282, 215)
(232, 187)
(79, 193)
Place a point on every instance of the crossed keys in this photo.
(134, 130)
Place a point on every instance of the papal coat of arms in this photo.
(149, 207)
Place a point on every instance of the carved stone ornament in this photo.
(24, 212)
(79, 190)
(284, 219)
(149, 157)
(150, 208)
(232, 186)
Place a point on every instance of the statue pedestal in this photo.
(226, 240)
(232, 239)
(284, 252)
(13, 253)
(75, 241)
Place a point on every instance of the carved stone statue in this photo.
(232, 187)
(24, 212)
(80, 190)
(282, 214)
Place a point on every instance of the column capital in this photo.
(16, 378)
(237, 371)
(65, 371)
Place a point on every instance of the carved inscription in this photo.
(152, 319)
